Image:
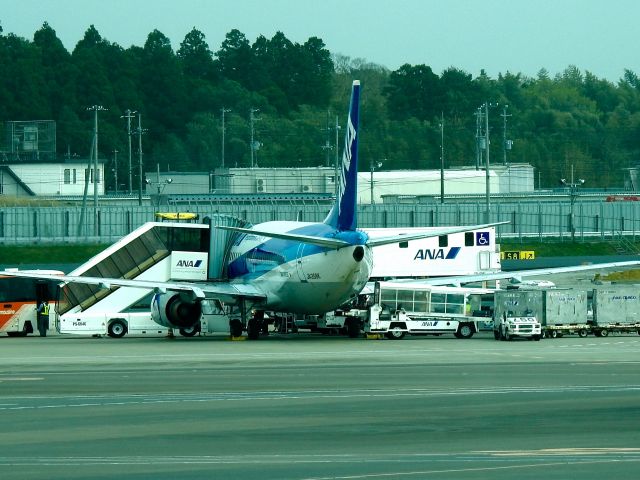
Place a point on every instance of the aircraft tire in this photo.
(190, 332)
(353, 329)
(235, 327)
(253, 329)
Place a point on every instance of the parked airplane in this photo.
(282, 266)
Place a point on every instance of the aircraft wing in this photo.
(320, 241)
(436, 232)
(517, 275)
(224, 291)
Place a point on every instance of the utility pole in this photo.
(139, 132)
(95, 109)
(487, 177)
(129, 115)
(506, 144)
(115, 168)
(573, 195)
(253, 146)
(442, 158)
(337, 165)
(479, 137)
(327, 144)
(223, 111)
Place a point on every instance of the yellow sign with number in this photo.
(518, 255)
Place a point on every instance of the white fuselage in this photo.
(300, 277)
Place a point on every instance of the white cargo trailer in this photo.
(564, 312)
(616, 310)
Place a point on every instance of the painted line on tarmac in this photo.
(20, 379)
(84, 401)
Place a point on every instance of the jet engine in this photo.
(175, 310)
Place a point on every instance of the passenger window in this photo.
(468, 239)
(443, 241)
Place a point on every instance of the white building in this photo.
(49, 179)
(321, 180)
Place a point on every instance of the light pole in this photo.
(373, 167)
(573, 194)
(161, 186)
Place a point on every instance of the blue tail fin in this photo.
(343, 215)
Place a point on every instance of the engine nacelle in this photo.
(175, 310)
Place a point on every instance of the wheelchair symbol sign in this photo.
(482, 238)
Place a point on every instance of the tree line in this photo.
(296, 92)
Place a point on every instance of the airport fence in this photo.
(62, 224)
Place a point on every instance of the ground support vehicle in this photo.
(26, 304)
(115, 325)
(419, 309)
(514, 314)
(215, 319)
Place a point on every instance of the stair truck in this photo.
(516, 314)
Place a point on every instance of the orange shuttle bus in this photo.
(20, 299)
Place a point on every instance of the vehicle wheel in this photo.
(117, 329)
(24, 332)
(465, 331)
(506, 336)
(554, 334)
(582, 332)
(235, 327)
(496, 334)
(191, 331)
(253, 329)
(395, 334)
(537, 337)
(353, 329)
(503, 335)
(604, 333)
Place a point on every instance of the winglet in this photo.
(343, 215)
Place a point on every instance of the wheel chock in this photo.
(236, 339)
(373, 336)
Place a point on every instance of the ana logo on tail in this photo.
(343, 215)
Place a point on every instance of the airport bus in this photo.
(20, 298)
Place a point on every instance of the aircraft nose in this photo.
(358, 253)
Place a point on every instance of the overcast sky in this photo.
(497, 35)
